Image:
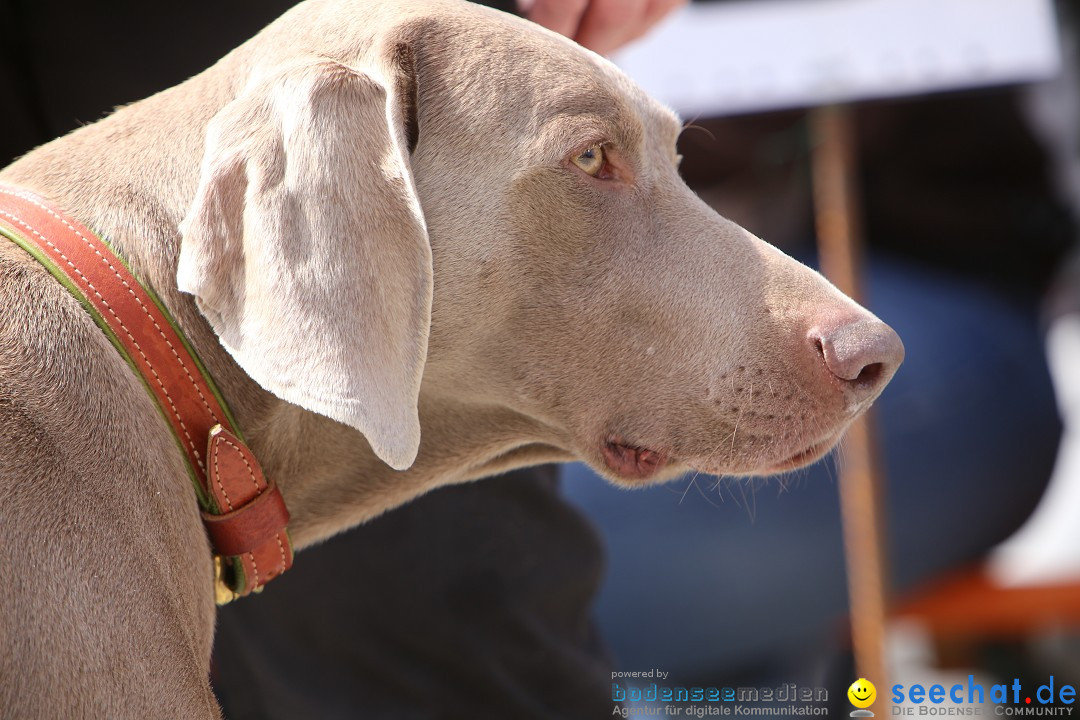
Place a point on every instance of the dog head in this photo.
(433, 199)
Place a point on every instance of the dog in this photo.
(414, 243)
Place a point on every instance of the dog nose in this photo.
(863, 354)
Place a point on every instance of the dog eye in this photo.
(591, 161)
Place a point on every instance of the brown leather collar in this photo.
(244, 514)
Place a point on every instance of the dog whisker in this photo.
(693, 481)
(692, 125)
(706, 497)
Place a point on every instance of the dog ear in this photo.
(306, 247)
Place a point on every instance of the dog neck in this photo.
(327, 473)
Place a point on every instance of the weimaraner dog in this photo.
(414, 243)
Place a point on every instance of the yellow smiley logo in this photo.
(862, 693)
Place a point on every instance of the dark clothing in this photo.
(470, 602)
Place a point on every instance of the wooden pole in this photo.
(836, 210)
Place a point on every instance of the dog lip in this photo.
(632, 462)
(805, 456)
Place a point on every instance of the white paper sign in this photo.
(751, 55)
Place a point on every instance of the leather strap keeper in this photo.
(246, 528)
(246, 502)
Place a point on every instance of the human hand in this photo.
(600, 25)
